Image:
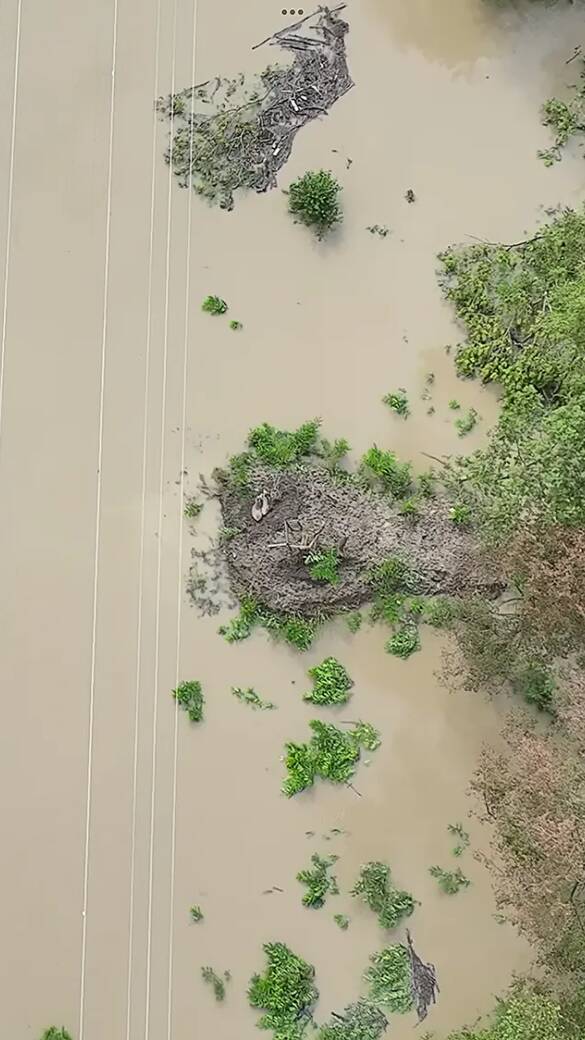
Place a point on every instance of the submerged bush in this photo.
(214, 305)
(331, 754)
(377, 890)
(294, 629)
(216, 982)
(286, 992)
(331, 683)
(389, 979)
(319, 882)
(404, 642)
(398, 402)
(526, 1016)
(383, 470)
(190, 696)
(450, 881)
(314, 200)
(53, 1033)
(360, 1021)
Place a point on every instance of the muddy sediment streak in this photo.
(229, 134)
(310, 510)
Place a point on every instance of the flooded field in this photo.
(117, 392)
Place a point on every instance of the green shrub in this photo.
(404, 642)
(460, 514)
(318, 881)
(331, 683)
(392, 576)
(360, 1021)
(366, 735)
(323, 565)
(53, 1033)
(190, 696)
(214, 305)
(294, 629)
(334, 452)
(375, 887)
(534, 682)
(450, 881)
(398, 402)
(440, 612)
(331, 754)
(389, 979)
(426, 484)
(281, 448)
(286, 993)
(410, 507)
(381, 468)
(314, 200)
(354, 621)
(525, 1016)
(467, 422)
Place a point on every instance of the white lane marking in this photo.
(141, 551)
(160, 541)
(181, 528)
(97, 527)
(10, 198)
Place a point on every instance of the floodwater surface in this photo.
(117, 393)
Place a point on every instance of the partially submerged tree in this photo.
(314, 200)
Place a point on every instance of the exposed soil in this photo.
(365, 529)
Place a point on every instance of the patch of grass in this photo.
(450, 881)
(216, 982)
(190, 696)
(330, 754)
(196, 913)
(410, 508)
(426, 484)
(439, 612)
(269, 446)
(391, 576)
(360, 1021)
(331, 683)
(404, 642)
(251, 698)
(382, 469)
(398, 402)
(342, 921)
(318, 881)
(323, 565)
(293, 629)
(377, 890)
(461, 514)
(313, 199)
(354, 621)
(389, 979)
(467, 422)
(192, 508)
(334, 452)
(236, 325)
(226, 534)
(214, 305)
(457, 830)
(286, 993)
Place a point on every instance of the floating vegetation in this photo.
(331, 683)
(190, 696)
(228, 134)
(331, 754)
(450, 881)
(286, 993)
(342, 921)
(354, 621)
(216, 981)
(467, 422)
(454, 405)
(192, 508)
(313, 200)
(319, 882)
(251, 698)
(404, 642)
(360, 1021)
(196, 913)
(410, 196)
(323, 565)
(236, 325)
(378, 229)
(389, 979)
(398, 402)
(377, 890)
(457, 830)
(214, 305)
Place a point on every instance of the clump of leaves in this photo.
(280, 449)
(454, 405)
(450, 881)
(377, 890)
(331, 754)
(214, 305)
(216, 981)
(53, 1033)
(286, 992)
(331, 683)
(192, 508)
(318, 880)
(323, 565)
(236, 325)
(366, 735)
(342, 921)
(196, 913)
(457, 830)
(250, 697)
(314, 200)
(460, 514)
(360, 1021)
(404, 642)
(354, 621)
(190, 696)
(381, 469)
(467, 422)
(389, 979)
(398, 402)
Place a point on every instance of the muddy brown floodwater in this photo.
(117, 392)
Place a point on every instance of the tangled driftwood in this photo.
(229, 134)
(423, 979)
